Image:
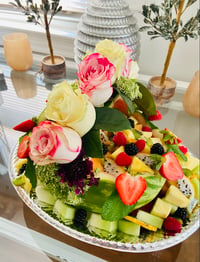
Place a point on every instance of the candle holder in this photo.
(17, 50)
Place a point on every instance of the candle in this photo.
(17, 50)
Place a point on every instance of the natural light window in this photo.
(73, 5)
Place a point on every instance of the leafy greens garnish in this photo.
(113, 208)
(177, 151)
(30, 172)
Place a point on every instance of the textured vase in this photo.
(191, 97)
(111, 19)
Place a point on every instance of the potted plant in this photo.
(53, 66)
(165, 21)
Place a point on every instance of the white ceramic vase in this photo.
(111, 19)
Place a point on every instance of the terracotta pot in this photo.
(161, 94)
(53, 71)
(191, 97)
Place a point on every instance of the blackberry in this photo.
(182, 213)
(157, 148)
(22, 169)
(105, 149)
(131, 149)
(80, 218)
(132, 123)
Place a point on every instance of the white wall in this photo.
(185, 58)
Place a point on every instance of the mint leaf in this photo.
(113, 208)
(177, 151)
(110, 119)
(91, 144)
(30, 173)
(157, 161)
(146, 103)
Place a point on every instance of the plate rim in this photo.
(94, 240)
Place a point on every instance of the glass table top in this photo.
(23, 96)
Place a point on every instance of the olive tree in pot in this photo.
(165, 21)
(53, 66)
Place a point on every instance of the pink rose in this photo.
(129, 68)
(51, 143)
(95, 74)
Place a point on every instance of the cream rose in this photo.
(51, 143)
(69, 107)
(120, 56)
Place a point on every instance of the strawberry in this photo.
(183, 149)
(171, 168)
(121, 106)
(130, 188)
(123, 159)
(157, 116)
(172, 225)
(23, 148)
(146, 129)
(119, 139)
(25, 126)
(140, 144)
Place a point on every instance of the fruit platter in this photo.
(95, 165)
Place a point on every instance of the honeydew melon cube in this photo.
(102, 227)
(150, 219)
(161, 208)
(63, 211)
(44, 195)
(129, 228)
(173, 207)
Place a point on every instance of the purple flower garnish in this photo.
(78, 173)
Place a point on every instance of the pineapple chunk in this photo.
(138, 127)
(161, 208)
(138, 165)
(147, 149)
(156, 140)
(116, 152)
(129, 136)
(173, 207)
(156, 133)
(176, 197)
(146, 134)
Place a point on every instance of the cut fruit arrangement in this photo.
(108, 170)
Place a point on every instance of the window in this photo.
(63, 27)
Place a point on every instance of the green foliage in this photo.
(33, 10)
(30, 172)
(113, 208)
(129, 87)
(161, 21)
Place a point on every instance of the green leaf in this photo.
(128, 102)
(146, 103)
(91, 144)
(110, 119)
(113, 208)
(177, 151)
(30, 172)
